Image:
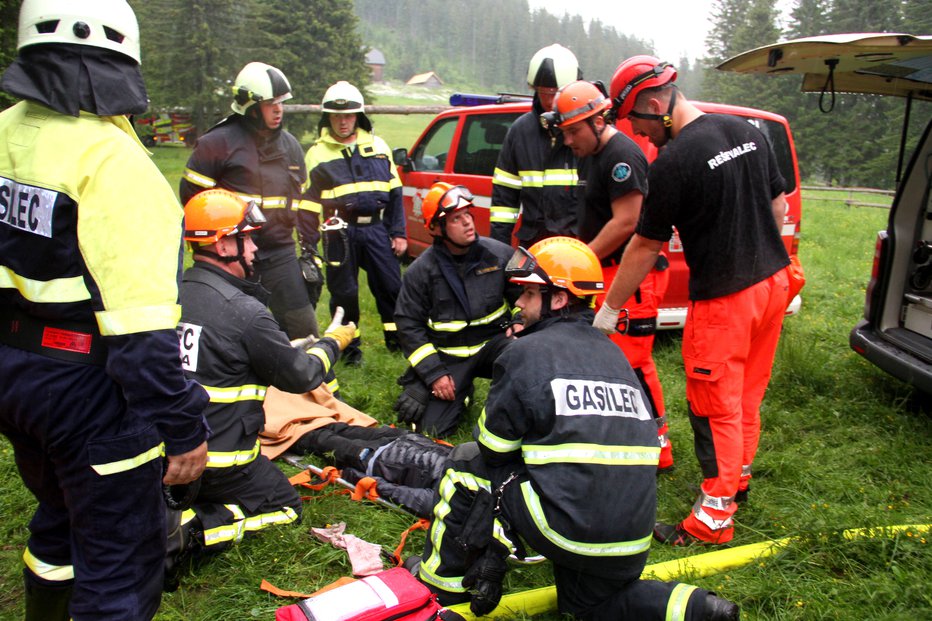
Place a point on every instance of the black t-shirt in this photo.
(715, 183)
(619, 168)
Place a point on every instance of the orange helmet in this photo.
(213, 214)
(634, 75)
(560, 262)
(443, 199)
(577, 102)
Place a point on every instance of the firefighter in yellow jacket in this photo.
(92, 385)
(353, 184)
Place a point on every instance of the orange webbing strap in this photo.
(274, 590)
(327, 476)
(421, 524)
(366, 488)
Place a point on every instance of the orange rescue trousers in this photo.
(729, 345)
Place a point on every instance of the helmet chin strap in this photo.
(254, 116)
(240, 256)
(446, 238)
(666, 118)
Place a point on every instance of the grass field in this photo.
(843, 446)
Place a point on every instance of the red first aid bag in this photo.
(389, 595)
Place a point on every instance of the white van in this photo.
(896, 332)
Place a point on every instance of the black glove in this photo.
(484, 579)
(312, 270)
(412, 402)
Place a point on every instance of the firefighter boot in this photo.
(674, 535)
(719, 609)
(45, 602)
(184, 541)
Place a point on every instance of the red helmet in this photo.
(633, 76)
(577, 102)
(442, 200)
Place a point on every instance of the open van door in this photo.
(896, 332)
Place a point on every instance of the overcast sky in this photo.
(676, 27)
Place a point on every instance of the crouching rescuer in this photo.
(234, 348)
(454, 313)
(565, 463)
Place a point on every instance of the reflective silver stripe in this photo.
(493, 442)
(250, 197)
(446, 326)
(198, 179)
(129, 463)
(307, 205)
(618, 548)
(57, 290)
(421, 353)
(334, 386)
(232, 394)
(746, 470)
(323, 356)
(719, 503)
(437, 530)
(503, 214)
(463, 352)
(679, 598)
(227, 532)
(549, 177)
(456, 326)
(254, 523)
(710, 521)
(274, 202)
(591, 454)
(47, 571)
(355, 188)
(226, 459)
(505, 178)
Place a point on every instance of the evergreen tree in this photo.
(192, 51)
(9, 16)
(315, 43)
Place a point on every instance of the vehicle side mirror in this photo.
(400, 157)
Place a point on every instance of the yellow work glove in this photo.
(340, 332)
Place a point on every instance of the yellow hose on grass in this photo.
(544, 599)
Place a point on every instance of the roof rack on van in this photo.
(466, 99)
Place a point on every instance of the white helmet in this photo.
(553, 67)
(343, 97)
(259, 82)
(109, 24)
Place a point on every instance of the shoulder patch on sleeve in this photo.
(621, 172)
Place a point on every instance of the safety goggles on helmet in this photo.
(523, 268)
(457, 197)
(550, 120)
(654, 72)
(253, 219)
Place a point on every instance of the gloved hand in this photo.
(412, 402)
(606, 320)
(342, 333)
(484, 579)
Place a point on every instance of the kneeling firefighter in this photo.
(233, 347)
(565, 461)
